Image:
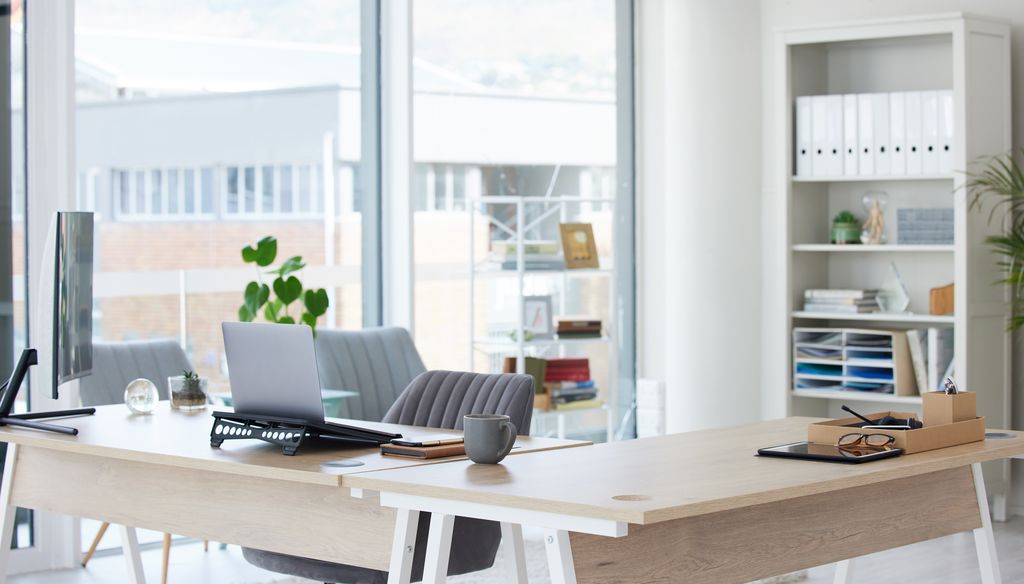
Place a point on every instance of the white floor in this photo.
(950, 559)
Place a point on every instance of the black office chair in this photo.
(436, 399)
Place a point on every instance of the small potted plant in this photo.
(845, 228)
(188, 391)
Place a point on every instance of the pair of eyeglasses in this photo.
(857, 439)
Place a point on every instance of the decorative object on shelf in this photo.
(1003, 178)
(188, 391)
(578, 245)
(874, 228)
(537, 322)
(929, 226)
(940, 300)
(893, 296)
(286, 289)
(141, 395)
(845, 228)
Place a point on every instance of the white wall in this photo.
(792, 13)
(699, 193)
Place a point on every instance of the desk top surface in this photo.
(668, 477)
(183, 439)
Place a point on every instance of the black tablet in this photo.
(830, 453)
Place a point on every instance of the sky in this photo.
(549, 47)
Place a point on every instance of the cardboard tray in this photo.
(911, 441)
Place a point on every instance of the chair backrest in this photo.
(114, 364)
(377, 362)
(439, 399)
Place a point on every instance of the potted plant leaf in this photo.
(845, 228)
(275, 301)
(1002, 179)
(188, 391)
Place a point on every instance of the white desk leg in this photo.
(402, 547)
(984, 539)
(132, 556)
(439, 547)
(515, 552)
(563, 571)
(844, 571)
(7, 512)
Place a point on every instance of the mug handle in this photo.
(509, 430)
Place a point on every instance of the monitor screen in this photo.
(72, 299)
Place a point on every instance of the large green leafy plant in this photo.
(1002, 179)
(276, 300)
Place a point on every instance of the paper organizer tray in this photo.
(911, 441)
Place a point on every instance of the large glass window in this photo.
(207, 125)
(519, 108)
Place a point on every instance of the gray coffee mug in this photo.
(489, 437)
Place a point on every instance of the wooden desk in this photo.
(700, 507)
(159, 472)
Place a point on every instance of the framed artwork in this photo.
(578, 245)
(537, 321)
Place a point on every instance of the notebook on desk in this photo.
(274, 382)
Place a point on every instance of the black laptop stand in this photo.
(290, 433)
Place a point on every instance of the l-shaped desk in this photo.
(695, 507)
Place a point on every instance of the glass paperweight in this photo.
(892, 296)
(873, 232)
(140, 395)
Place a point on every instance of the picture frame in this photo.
(537, 320)
(578, 245)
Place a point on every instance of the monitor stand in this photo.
(9, 391)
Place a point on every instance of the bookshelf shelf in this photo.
(879, 317)
(894, 248)
(881, 398)
(857, 179)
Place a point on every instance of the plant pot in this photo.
(187, 395)
(846, 233)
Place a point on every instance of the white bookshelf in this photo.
(970, 55)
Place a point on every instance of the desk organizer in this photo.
(942, 408)
(930, 437)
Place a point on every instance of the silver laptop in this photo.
(272, 369)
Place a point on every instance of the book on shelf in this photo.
(509, 249)
(917, 339)
(533, 366)
(578, 328)
(940, 356)
(583, 404)
(572, 394)
(534, 264)
(569, 384)
(567, 369)
(831, 308)
(832, 293)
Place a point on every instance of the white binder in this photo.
(803, 136)
(883, 152)
(946, 120)
(819, 136)
(929, 132)
(913, 115)
(834, 134)
(865, 135)
(850, 134)
(897, 133)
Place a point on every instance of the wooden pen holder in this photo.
(940, 408)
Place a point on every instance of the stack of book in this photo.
(567, 384)
(537, 255)
(833, 301)
(579, 329)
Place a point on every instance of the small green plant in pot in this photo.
(845, 228)
(188, 391)
(275, 301)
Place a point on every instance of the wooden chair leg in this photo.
(95, 543)
(167, 558)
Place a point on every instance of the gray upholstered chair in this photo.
(377, 362)
(114, 365)
(438, 399)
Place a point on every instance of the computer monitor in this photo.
(69, 246)
(72, 297)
